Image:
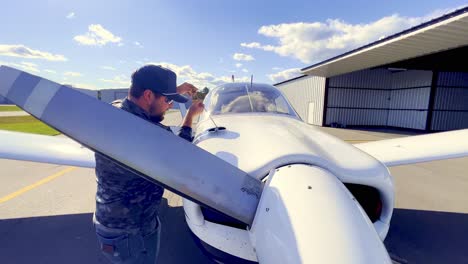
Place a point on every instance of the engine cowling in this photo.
(307, 215)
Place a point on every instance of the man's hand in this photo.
(195, 109)
(187, 88)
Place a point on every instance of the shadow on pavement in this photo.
(49, 239)
(418, 236)
(71, 239)
(415, 236)
(177, 245)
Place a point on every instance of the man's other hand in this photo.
(187, 88)
(196, 108)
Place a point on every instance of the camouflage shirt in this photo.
(125, 200)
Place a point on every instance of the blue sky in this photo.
(98, 44)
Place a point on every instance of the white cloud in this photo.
(97, 36)
(238, 65)
(277, 68)
(188, 74)
(50, 71)
(29, 64)
(257, 45)
(71, 15)
(242, 57)
(72, 74)
(315, 41)
(138, 44)
(82, 85)
(120, 44)
(251, 45)
(25, 66)
(284, 75)
(228, 79)
(120, 81)
(29, 67)
(109, 68)
(245, 70)
(185, 71)
(28, 53)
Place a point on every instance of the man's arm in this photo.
(195, 109)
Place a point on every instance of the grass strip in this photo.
(26, 124)
(9, 108)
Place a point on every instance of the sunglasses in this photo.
(168, 101)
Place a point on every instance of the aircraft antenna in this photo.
(209, 116)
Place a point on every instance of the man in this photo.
(126, 217)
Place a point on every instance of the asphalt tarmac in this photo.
(46, 212)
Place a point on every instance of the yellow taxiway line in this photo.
(36, 184)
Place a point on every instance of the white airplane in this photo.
(263, 185)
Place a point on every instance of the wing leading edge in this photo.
(415, 149)
(47, 149)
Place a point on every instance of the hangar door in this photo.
(450, 109)
(379, 97)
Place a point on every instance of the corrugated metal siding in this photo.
(109, 95)
(377, 78)
(449, 120)
(359, 98)
(106, 95)
(409, 99)
(357, 117)
(380, 98)
(448, 98)
(301, 92)
(415, 99)
(411, 79)
(451, 102)
(407, 119)
(92, 93)
(453, 79)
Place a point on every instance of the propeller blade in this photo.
(155, 153)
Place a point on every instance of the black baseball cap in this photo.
(159, 80)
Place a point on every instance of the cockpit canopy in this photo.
(234, 98)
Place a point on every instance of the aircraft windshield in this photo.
(242, 98)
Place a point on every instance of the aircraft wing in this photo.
(47, 149)
(415, 149)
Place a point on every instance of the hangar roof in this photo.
(428, 42)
